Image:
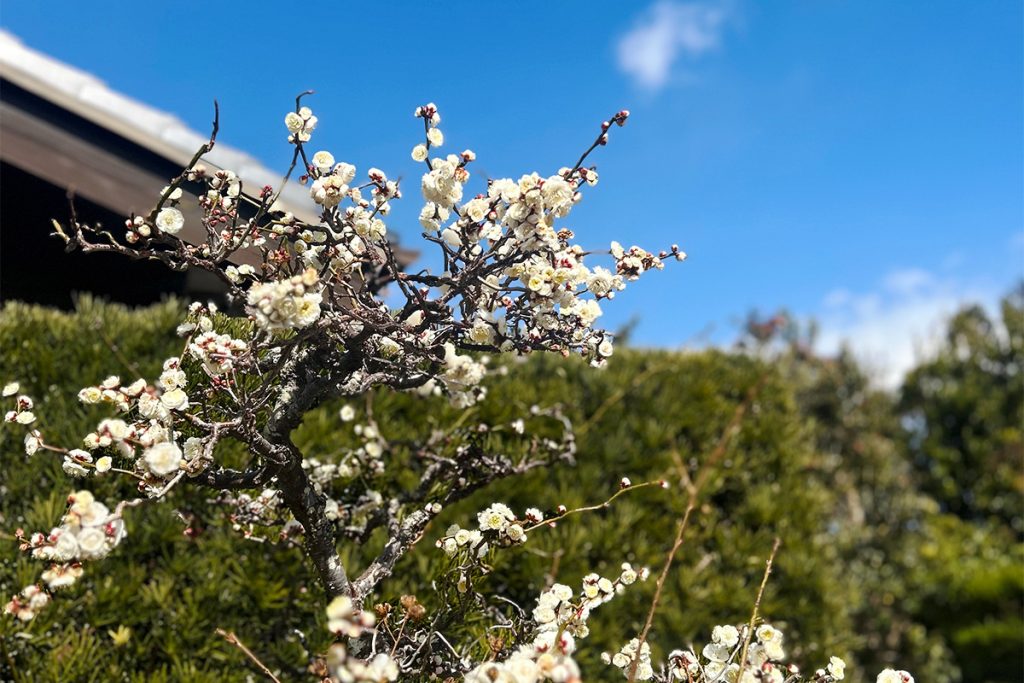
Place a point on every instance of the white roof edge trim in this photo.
(158, 131)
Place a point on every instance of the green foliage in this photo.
(936, 593)
(869, 569)
(967, 412)
(965, 415)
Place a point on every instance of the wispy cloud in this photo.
(667, 31)
(1017, 241)
(897, 324)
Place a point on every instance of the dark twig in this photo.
(757, 606)
(233, 639)
(695, 489)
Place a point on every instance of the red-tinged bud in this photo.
(621, 117)
(603, 140)
(605, 125)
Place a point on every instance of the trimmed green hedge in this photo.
(655, 410)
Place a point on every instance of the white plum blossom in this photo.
(170, 220)
(496, 518)
(33, 440)
(323, 161)
(163, 458)
(726, 635)
(175, 399)
(837, 668)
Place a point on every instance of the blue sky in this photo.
(859, 162)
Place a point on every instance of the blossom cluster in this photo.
(217, 352)
(721, 655)
(560, 618)
(364, 461)
(88, 531)
(144, 444)
(721, 661)
(111, 391)
(220, 207)
(114, 434)
(345, 619)
(29, 602)
(300, 125)
(22, 413)
(527, 665)
(248, 511)
(527, 279)
(169, 219)
(152, 432)
(285, 304)
(633, 651)
(498, 525)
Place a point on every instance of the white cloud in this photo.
(908, 281)
(666, 31)
(898, 324)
